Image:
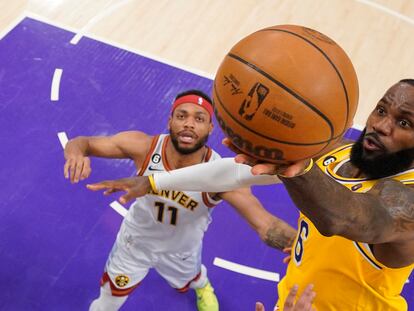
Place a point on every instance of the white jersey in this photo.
(169, 221)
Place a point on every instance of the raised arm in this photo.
(216, 176)
(133, 145)
(383, 216)
(272, 230)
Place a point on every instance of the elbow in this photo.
(329, 228)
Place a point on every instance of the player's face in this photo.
(386, 146)
(190, 126)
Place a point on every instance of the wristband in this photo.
(152, 183)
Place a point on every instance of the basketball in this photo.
(285, 93)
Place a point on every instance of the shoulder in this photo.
(398, 200)
(135, 143)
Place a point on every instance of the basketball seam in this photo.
(329, 60)
(264, 136)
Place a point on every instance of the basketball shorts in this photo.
(128, 264)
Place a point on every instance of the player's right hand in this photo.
(77, 168)
(304, 302)
(134, 187)
(260, 167)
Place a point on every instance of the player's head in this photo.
(386, 146)
(190, 123)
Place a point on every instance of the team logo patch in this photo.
(156, 158)
(328, 160)
(121, 280)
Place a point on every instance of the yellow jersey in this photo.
(345, 274)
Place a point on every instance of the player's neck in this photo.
(179, 160)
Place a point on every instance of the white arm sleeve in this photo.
(216, 176)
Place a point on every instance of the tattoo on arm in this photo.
(379, 216)
(399, 201)
(279, 235)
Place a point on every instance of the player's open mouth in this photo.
(186, 137)
(372, 144)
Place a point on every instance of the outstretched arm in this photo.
(273, 231)
(215, 176)
(382, 217)
(384, 214)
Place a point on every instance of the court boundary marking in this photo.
(121, 46)
(108, 9)
(13, 24)
(55, 87)
(387, 10)
(246, 270)
(63, 138)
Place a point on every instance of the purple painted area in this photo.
(352, 134)
(54, 236)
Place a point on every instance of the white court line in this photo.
(257, 273)
(125, 47)
(54, 90)
(63, 138)
(387, 10)
(107, 10)
(51, 22)
(11, 26)
(120, 209)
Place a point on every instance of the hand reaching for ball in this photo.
(260, 167)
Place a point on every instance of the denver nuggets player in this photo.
(164, 229)
(355, 239)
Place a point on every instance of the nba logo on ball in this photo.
(285, 93)
(252, 102)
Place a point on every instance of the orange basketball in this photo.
(285, 93)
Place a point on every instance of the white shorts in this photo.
(128, 264)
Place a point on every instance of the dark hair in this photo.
(194, 92)
(409, 81)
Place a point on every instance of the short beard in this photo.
(200, 144)
(383, 165)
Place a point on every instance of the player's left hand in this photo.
(260, 168)
(134, 187)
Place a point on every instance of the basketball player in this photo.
(355, 239)
(164, 229)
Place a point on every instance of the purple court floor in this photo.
(55, 236)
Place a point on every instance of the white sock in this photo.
(202, 280)
(107, 302)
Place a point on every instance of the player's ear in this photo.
(211, 128)
(169, 123)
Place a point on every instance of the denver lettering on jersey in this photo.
(177, 196)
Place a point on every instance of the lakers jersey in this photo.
(169, 221)
(345, 273)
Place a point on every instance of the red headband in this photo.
(196, 100)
